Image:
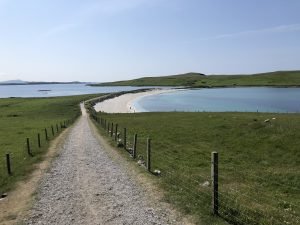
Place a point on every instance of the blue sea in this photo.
(246, 99)
(7, 91)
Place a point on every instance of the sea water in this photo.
(245, 99)
(51, 90)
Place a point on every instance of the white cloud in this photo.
(59, 29)
(271, 30)
(88, 11)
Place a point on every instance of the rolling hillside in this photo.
(187, 79)
(278, 78)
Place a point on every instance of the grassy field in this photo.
(280, 78)
(22, 118)
(259, 162)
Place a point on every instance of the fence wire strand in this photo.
(203, 192)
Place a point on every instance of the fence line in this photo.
(274, 182)
(222, 204)
(29, 150)
(263, 195)
(224, 210)
(235, 213)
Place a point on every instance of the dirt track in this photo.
(86, 186)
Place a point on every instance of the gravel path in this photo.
(85, 186)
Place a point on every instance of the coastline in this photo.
(125, 103)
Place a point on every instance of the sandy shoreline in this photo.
(124, 103)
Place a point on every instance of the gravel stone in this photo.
(85, 186)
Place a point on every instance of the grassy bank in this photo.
(280, 78)
(22, 118)
(259, 162)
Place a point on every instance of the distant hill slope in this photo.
(13, 82)
(278, 78)
(187, 79)
(20, 82)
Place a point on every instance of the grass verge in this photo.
(22, 118)
(259, 162)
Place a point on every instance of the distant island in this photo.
(20, 82)
(277, 79)
(44, 90)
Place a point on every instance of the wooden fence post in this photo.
(8, 164)
(149, 154)
(46, 134)
(56, 128)
(52, 130)
(28, 147)
(112, 129)
(108, 127)
(134, 146)
(39, 140)
(215, 185)
(116, 133)
(124, 138)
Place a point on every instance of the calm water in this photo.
(252, 99)
(56, 90)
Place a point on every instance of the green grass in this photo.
(26, 117)
(279, 78)
(259, 162)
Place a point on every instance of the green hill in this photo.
(278, 78)
(187, 79)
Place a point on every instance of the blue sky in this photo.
(107, 40)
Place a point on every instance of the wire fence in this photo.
(239, 204)
(17, 163)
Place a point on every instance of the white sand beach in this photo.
(124, 103)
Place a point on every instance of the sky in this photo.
(109, 40)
